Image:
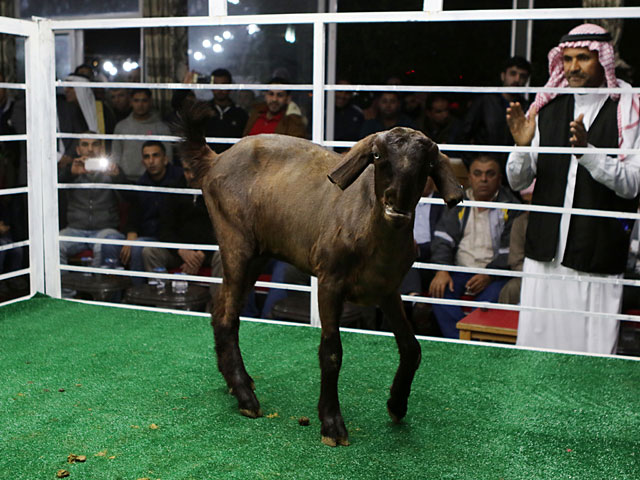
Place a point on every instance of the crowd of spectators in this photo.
(494, 238)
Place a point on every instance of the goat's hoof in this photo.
(333, 431)
(334, 442)
(394, 419)
(396, 414)
(251, 413)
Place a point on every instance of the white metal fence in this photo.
(41, 134)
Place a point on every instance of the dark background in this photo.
(453, 53)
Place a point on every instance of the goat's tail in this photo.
(194, 150)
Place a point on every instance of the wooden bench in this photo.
(502, 326)
(489, 324)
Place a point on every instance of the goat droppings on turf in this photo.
(73, 458)
(303, 421)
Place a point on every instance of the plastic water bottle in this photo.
(86, 262)
(110, 263)
(160, 283)
(179, 287)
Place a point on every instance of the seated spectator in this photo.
(147, 207)
(439, 125)
(472, 237)
(348, 117)
(10, 260)
(276, 115)
(120, 100)
(143, 120)
(485, 122)
(91, 212)
(184, 220)
(510, 293)
(78, 112)
(413, 106)
(427, 217)
(389, 115)
(228, 120)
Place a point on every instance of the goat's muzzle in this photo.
(397, 217)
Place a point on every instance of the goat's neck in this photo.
(388, 236)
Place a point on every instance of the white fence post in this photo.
(317, 128)
(432, 5)
(332, 39)
(217, 8)
(41, 160)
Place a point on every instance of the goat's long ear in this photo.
(446, 181)
(354, 163)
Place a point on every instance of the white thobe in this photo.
(560, 330)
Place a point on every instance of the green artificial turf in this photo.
(92, 381)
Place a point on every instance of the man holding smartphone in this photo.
(91, 213)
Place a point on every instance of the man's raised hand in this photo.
(522, 128)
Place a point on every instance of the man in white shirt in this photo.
(472, 237)
(572, 245)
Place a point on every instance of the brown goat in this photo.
(269, 196)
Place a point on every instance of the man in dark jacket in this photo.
(485, 123)
(348, 117)
(185, 220)
(389, 115)
(228, 119)
(472, 237)
(147, 207)
(91, 212)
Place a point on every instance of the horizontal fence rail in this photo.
(354, 17)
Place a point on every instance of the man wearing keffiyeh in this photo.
(568, 244)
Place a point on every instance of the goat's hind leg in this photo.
(410, 356)
(226, 323)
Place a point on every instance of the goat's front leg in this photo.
(332, 428)
(410, 355)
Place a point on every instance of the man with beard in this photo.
(91, 212)
(184, 219)
(276, 115)
(143, 120)
(147, 207)
(567, 245)
(472, 237)
(228, 119)
(485, 124)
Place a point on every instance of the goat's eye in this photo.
(376, 155)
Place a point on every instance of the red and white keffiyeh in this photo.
(628, 105)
